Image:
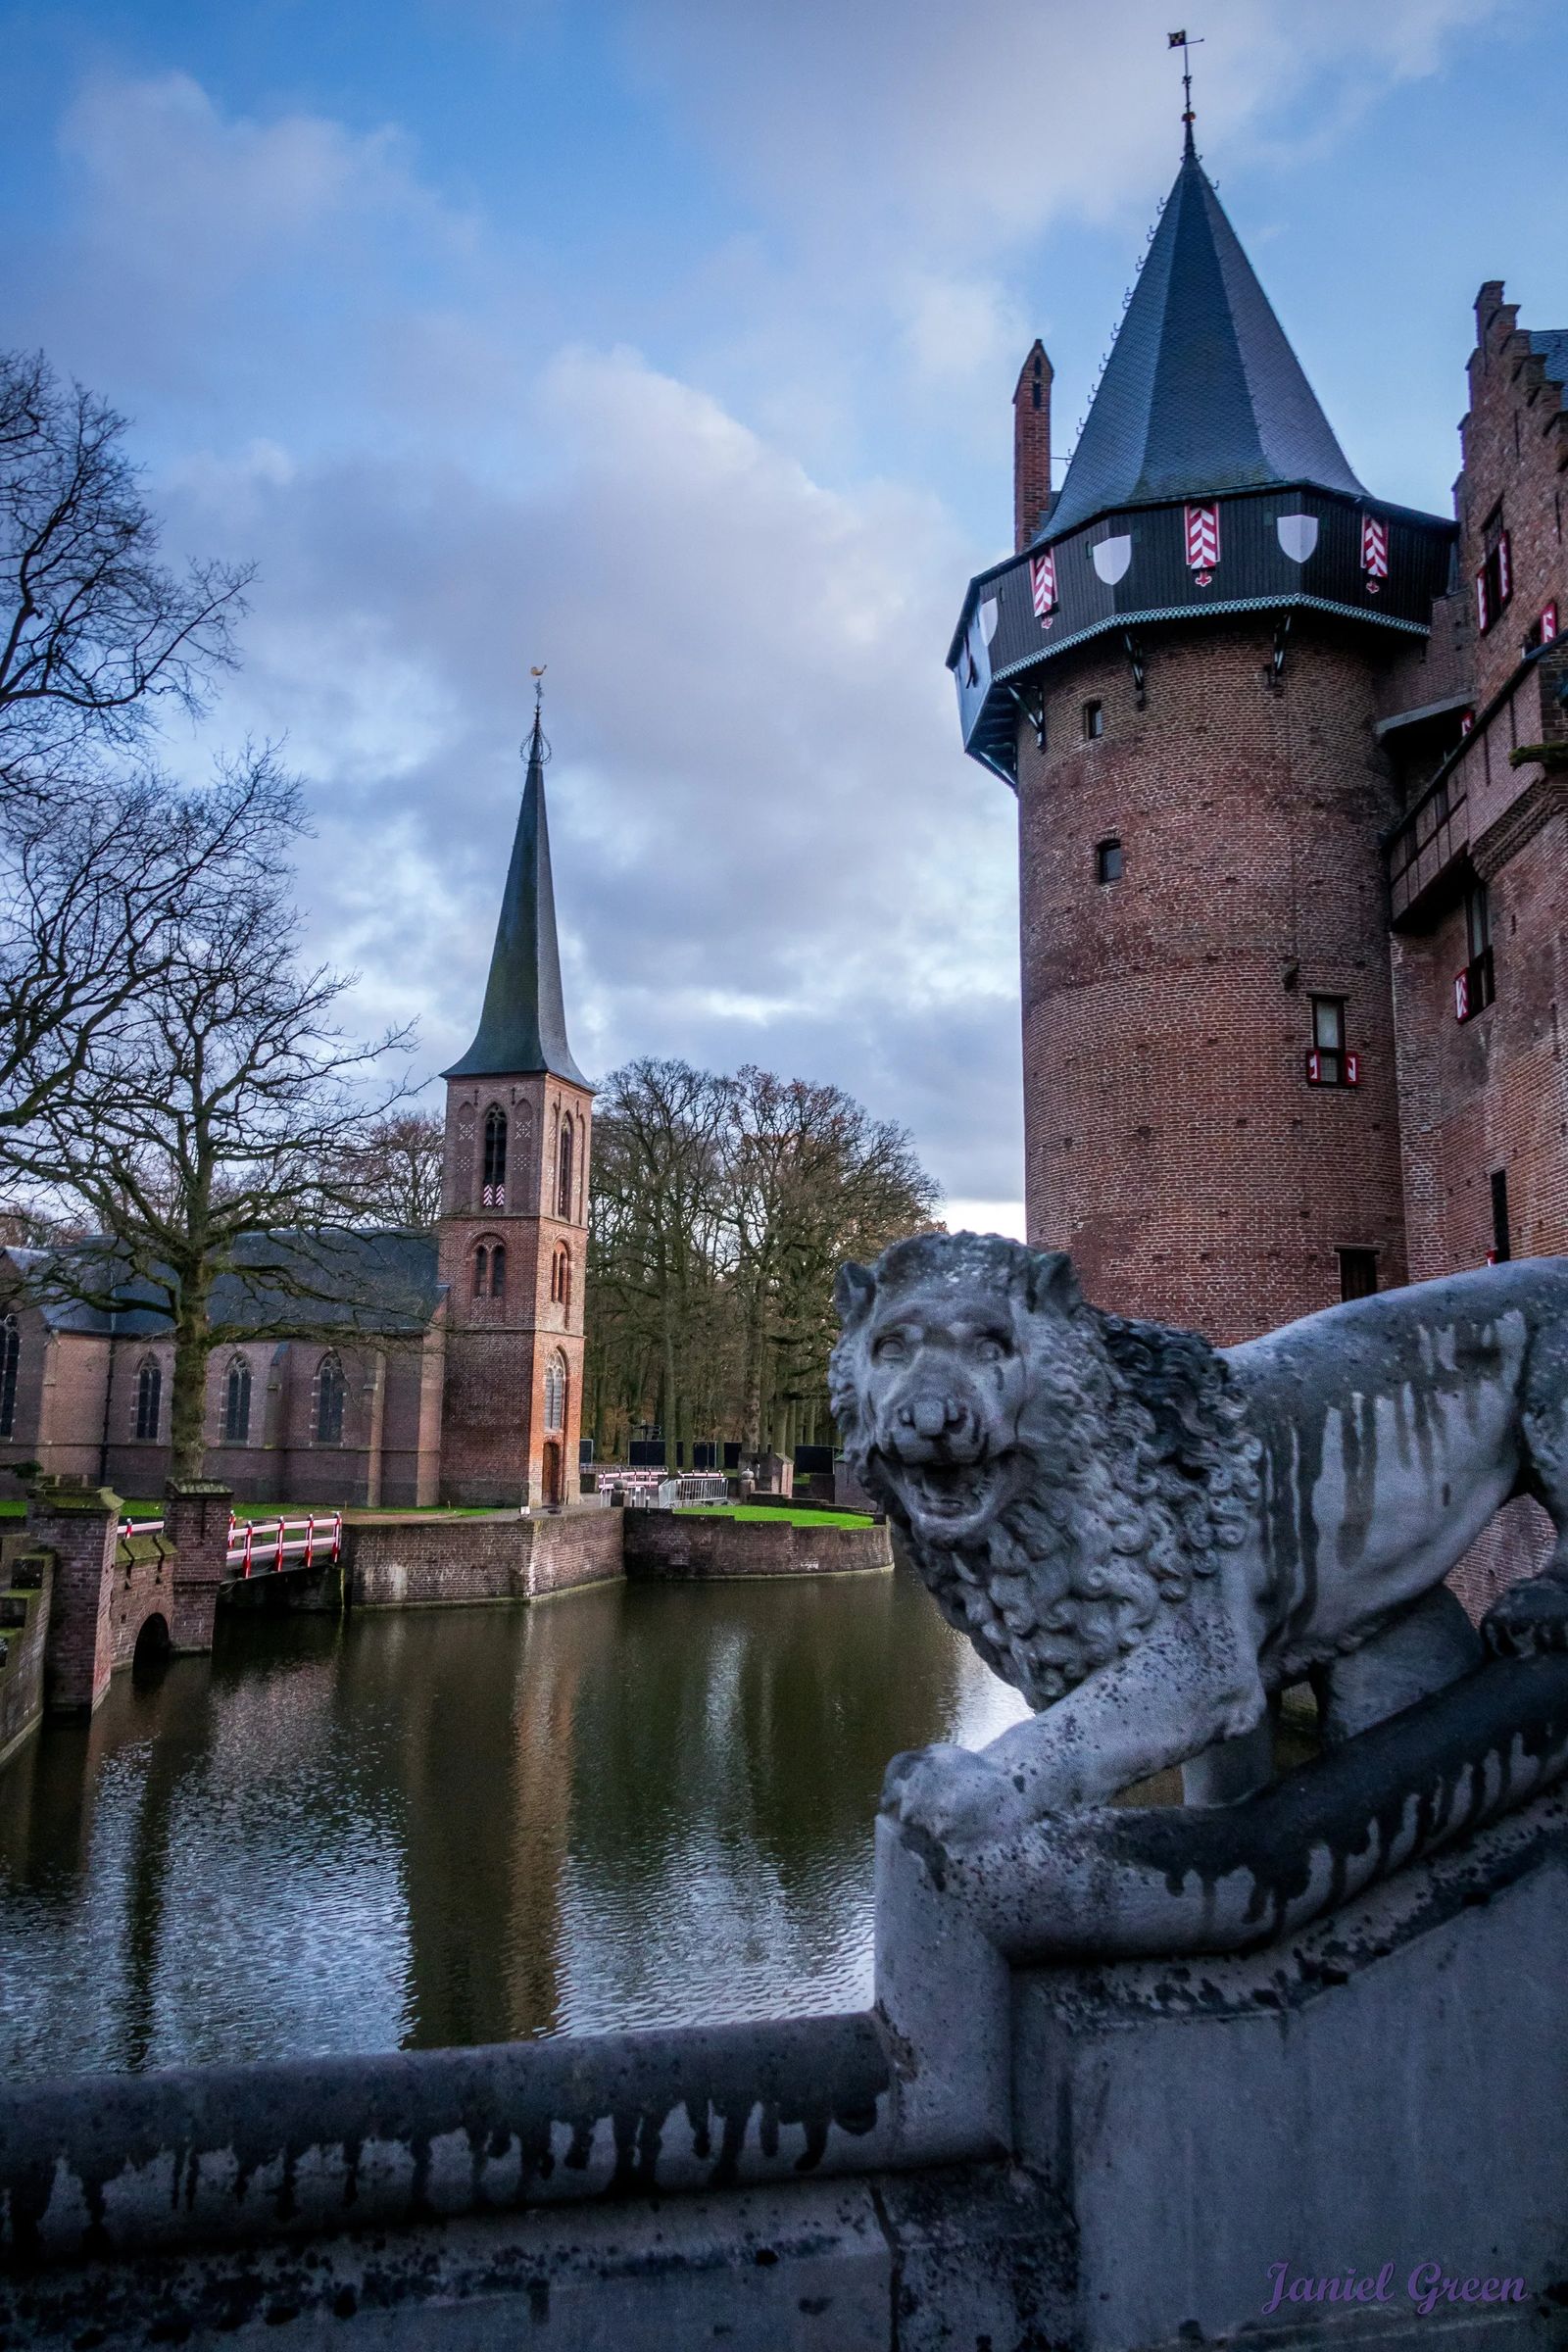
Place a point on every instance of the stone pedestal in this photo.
(77, 1525)
(196, 1522)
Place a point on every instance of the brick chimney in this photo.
(1031, 446)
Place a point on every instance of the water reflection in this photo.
(628, 1806)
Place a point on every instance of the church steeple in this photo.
(1202, 393)
(522, 1028)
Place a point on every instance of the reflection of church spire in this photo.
(522, 1028)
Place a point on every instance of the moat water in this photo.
(621, 1807)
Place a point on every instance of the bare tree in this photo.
(96, 888)
(721, 1209)
(397, 1170)
(217, 1134)
(95, 630)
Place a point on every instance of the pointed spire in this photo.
(522, 1028)
(1201, 392)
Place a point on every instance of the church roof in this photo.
(522, 1028)
(380, 1280)
(1202, 393)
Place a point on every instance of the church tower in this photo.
(514, 1208)
(1179, 673)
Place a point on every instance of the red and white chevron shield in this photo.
(1202, 538)
(1042, 584)
(1374, 547)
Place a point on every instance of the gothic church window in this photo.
(494, 1192)
(556, 1394)
(9, 1356)
(330, 1389)
(563, 1184)
(237, 1403)
(149, 1396)
(560, 1277)
(482, 1272)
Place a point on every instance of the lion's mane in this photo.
(1143, 1472)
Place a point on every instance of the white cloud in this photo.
(912, 122)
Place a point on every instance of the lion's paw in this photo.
(954, 1794)
(1530, 1620)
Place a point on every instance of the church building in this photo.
(1292, 771)
(423, 1368)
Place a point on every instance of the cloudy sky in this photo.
(671, 343)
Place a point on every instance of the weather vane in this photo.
(1179, 40)
(538, 744)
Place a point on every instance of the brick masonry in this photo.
(1172, 1141)
(405, 1563)
(24, 1595)
(495, 1444)
(667, 1543)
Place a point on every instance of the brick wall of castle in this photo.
(1173, 1141)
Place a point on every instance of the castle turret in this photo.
(1179, 675)
(514, 1210)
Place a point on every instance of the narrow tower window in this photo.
(497, 1271)
(1108, 861)
(149, 1396)
(556, 1394)
(1501, 1242)
(1476, 986)
(560, 1277)
(10, 1356)
(493, 1194)
(329, 1393)
(237, 1403)
(1329, 1062)
(563, 1187)
(1094, 721)
(481, 1271)
(1359, 1273)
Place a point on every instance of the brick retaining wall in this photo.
(25, 1589)
(669, 1544)
(403, 1563)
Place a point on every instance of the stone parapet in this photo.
(77, 1523)
(196, 1521)
(681, 1544)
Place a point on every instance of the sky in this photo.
(671, 344)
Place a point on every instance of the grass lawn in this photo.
(760, 1510)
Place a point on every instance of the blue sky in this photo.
(673, 344)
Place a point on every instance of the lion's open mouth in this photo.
(949, 1492)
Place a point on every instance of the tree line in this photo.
(721, 1207)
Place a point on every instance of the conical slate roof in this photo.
(1201, 392)
(522, 1028)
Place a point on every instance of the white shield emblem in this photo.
(1298, 535)
(988, 619)
(1111, 558)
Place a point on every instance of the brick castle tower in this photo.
(1178, 672)
(515, 1208)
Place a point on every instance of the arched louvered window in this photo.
(481, 1271)
(494, 1192)
(329, 1394)
(237, 1403)
(149, 1396)
(556, 1394)
(9, 1356)
(497, 1271)
(563, 1184)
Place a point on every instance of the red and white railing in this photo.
(260, 1544)
(257, 1547)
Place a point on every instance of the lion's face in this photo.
(943, 1355)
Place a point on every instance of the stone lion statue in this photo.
(1150, 1537)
